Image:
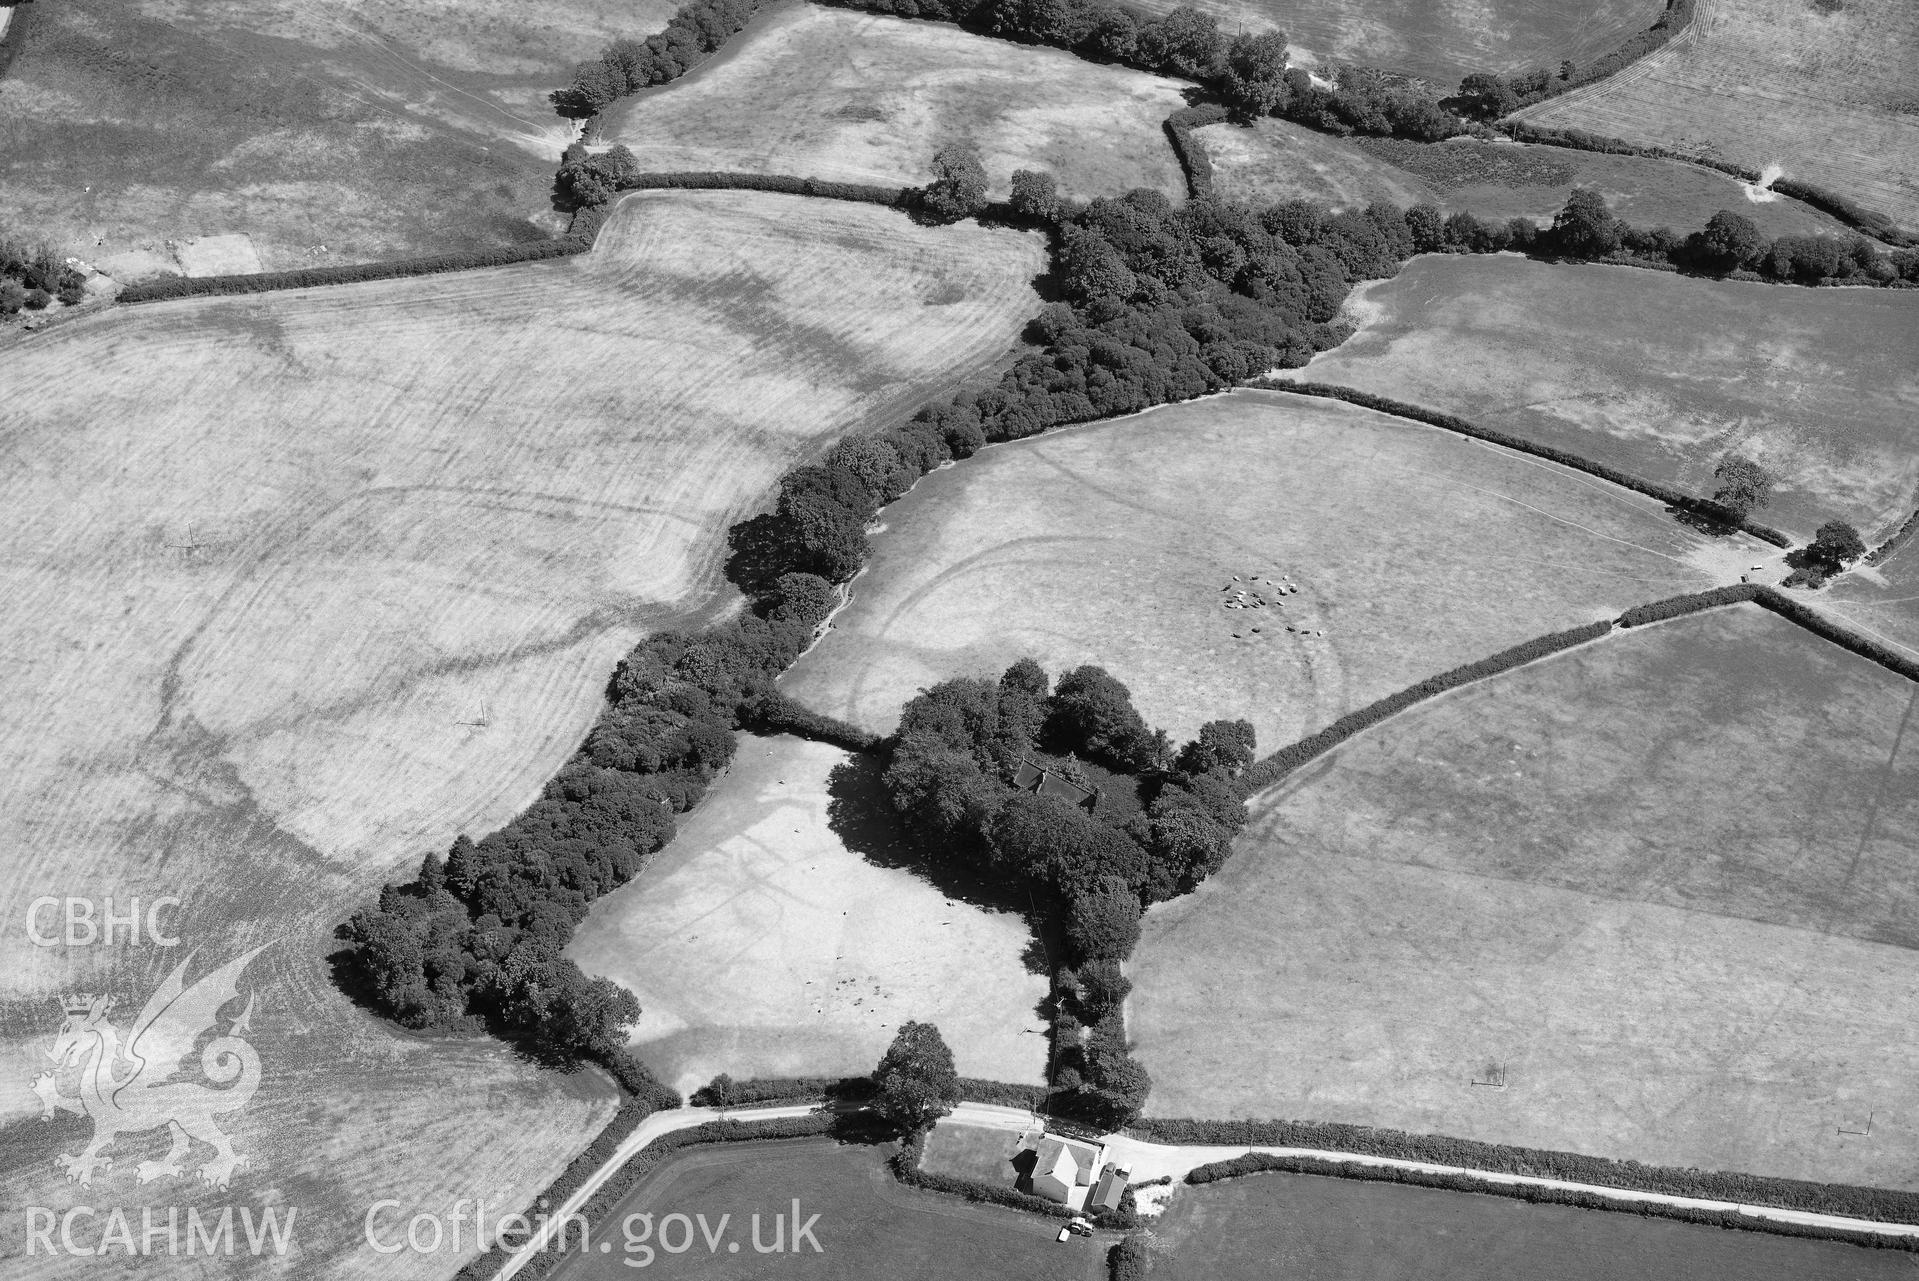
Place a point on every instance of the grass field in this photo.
(1278, 160)
(1824, 91)
(1316, 1229)
(1661, 375)
(828, 93)
(1663, 881)
(759, 944)
(306, 583)
(869, 1225)
(329, 133)
(1439, 40)
(1882, 600)
(1415, 551)
(971, 1152)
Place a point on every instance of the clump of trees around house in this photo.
(33, 274)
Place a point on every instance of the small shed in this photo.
(1109, 1189)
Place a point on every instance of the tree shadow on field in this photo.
(861, 815)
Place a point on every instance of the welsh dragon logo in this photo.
(125, 1087)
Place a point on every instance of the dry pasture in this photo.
(1440, 41)
(1278, 160)
(1661, 375)
(833, 94)
(306, 583)
(1414, 551)
(1881, 600)
(328, 133)
(1824, 92)
(759, 944)
(1662, 880)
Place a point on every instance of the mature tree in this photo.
(1104, 925)
(1185, 42)
(1255, 81)
(1585, 227)
(1036, 196)
(1487, 95)
(1090, 267)
(917, 1080)
(1428, 227)
(1092, 713)
(1744, 486)
(1223, 747)
(1729, 242)
(1835, 545)
(803, 598)
(958, 189)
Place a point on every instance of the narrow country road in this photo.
(1147, 1161)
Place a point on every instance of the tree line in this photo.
(1143, 824)
(625, 67)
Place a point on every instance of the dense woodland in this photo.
(1156, 824)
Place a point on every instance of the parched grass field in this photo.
(1881, 600)
(1824, 91)
(1663, 881)
(328, 133)
(1278, 160)
(869, 1224)
(1439, 40)
(1661, 374)
(759, 944)
(1414, 550)
(303, 584)
(828, 93)
(1307, 1228)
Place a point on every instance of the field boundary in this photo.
(1509, 1161)
(1551, 453)
(1900, 537)
(1869, 222)
(1739, 1216)
(1194, 162)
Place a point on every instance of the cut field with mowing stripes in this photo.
(306, 583)
(1653, 893)
(1661, 375)
(826, 93)
(1118, 544)
(1823, 90)
(1278, 160)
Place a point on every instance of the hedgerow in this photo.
(309, 277)
(1675, 606)
(775, 713)
(1492, 95)
(1265, 1163)
(1856, 216)
(1004, 1093)
(1900, 538)
(1465, 427)
(724, 1092)
(1283, 762)
(723, 180)
(1881, 1204)
(1192, 157)
(689, 38)
(1813, 621)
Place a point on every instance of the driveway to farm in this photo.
(1147, 1161)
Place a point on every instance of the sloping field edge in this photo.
(1465, 427)
(1732, 1215)
(1900, 537)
